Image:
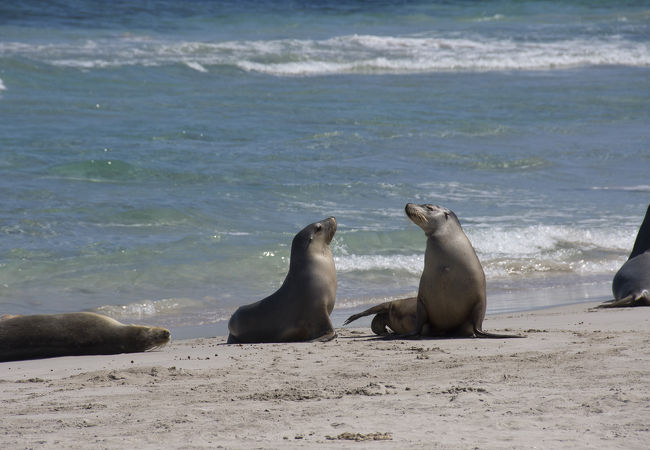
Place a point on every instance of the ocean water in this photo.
(157, 158)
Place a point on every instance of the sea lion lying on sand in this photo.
(77, 333)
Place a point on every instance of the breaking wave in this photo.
(351, 54)
(516, 252)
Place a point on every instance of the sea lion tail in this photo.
(485, 335)
(382, 307)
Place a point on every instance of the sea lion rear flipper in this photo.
(485, 335)
(637, 299)
(382, 307)
(625, 301)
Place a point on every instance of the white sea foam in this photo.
(518, 251)
(196, 66)
(637, 188)
(2, 86)
(542, 249)
(540, 239)
(343, 54)
(364, 263)
(148, 308)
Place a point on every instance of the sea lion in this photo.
(451, 297)
(299, 310)
(631, 284)
(77, 333)
(398, 315)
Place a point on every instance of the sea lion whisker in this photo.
(156, 347)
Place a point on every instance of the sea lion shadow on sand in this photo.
(631, 284)
(299, 310)
(451, 298)
(73, 334)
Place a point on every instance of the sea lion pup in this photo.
(631, 284)
(299, 310)
(451, 296)
(77, 333)
(398, 315)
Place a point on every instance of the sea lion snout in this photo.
(328, 227)
(164, 335)
(418, 213)
(332, 227)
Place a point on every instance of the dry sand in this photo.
(581, 379)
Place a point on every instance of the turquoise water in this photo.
(156, 158)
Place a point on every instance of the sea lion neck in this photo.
(642, 242)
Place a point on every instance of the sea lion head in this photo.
(142, 338)
(315, 237)
(431, 218)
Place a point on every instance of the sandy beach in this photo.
(579, 380)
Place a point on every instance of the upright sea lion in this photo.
(79, 333)
(398, 315)
(631, 284)
(299, 310)
(451, 297)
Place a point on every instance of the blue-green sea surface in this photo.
(157, 158)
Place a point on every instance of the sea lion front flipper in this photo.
(326, 337)
(8, 316)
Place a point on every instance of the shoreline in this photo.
(578, 379)
(501, 298)
(338, 316)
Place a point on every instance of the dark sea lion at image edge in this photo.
(73, 334)
(631, 284)
(299, 310)
(451, 297)
(398, 315)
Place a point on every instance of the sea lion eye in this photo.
(319, 227)
(429, 207)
